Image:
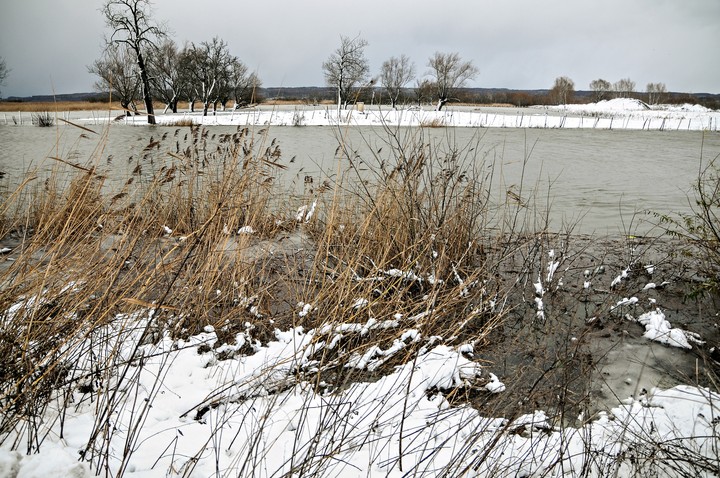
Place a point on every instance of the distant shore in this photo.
(619, 113)
(36, 106)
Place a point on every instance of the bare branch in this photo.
(395, 74)
(347, 67)
(449, 72)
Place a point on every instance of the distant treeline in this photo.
(316, 95)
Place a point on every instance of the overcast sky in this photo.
(521, 44)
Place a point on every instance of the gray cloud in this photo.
(515, 44)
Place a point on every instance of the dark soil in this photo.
(588, 353)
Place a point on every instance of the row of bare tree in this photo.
(207, 73)
(564, 88)
(348, 71)
(141, 60)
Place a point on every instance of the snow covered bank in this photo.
(614, 114)
(183, 408)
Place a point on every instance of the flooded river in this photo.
(601, 179)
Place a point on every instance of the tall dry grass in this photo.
(84, 255)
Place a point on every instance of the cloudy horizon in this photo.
(519, 44)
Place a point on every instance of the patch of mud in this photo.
(571, 340)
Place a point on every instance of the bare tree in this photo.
(601, 89)
(165, 65)
(347, 68)
(449, 73)
(237, 83)
(563, 90)
(243, 83)
(4, 71)
(395, 73)
(624, 88)
(117, 74)
(424, 91)
(132, 25)
(209, 70)
(656, 92)
(186, 65)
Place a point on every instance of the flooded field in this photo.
(602, 180)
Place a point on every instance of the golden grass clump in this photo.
(205, 240)
(168, 241)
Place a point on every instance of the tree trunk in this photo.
(339, 103)
(172, 105)
(206, 105)
(441, 102)
(147, 96)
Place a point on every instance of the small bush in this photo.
(185, 121)
(298, 118)
(43, 119)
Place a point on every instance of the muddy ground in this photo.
(584, 352)
(588, 353)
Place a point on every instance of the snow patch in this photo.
(657, 328)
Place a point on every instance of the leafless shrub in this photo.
(701, 228)
(43, 119)
(185, 121)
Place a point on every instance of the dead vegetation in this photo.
(417, 253)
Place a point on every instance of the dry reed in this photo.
(207, 238)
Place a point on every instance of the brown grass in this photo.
(168, 240)
(282, 102)
(434, 123)
(59, 106)
(182, 121)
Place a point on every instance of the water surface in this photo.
(602, 180)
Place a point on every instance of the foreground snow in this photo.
(176, 409)
(613, 114)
